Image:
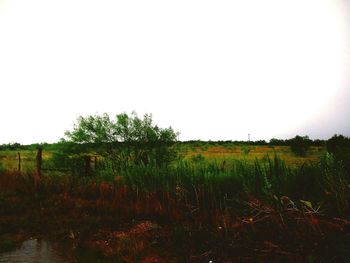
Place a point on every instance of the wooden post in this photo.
(38, 164)
(95, 163)
(223, 166)
(87, 160)
(19, 162)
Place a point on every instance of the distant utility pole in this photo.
(248, 137)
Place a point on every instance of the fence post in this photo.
(19, 162)
(87, 160)
(95, 163)
(38, 165)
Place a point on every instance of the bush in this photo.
(125, 140)
(339, 146)
(299, 145)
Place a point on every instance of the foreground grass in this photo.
(121, 225)
(190, 212)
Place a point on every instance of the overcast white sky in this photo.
(210, 69)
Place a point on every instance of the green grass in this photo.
(210, 185)
(212, 178)
(9, 160)
(229, 153)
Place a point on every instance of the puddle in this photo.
(38, 251)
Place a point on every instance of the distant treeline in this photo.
(335, 140)
(272, 142)
(17, 146)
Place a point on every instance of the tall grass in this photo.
(211, 186)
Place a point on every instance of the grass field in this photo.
(250, 153)
(219, 154)
(9, 159)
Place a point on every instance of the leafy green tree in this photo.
(277, 142)
(125, 139)
(300, 145)
(92, 129)
(11, 146)
(339, 146)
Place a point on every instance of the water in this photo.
(38, 251)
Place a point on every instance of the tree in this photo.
(339, 146)
(92, 129)
(300, 144)
(125, 139)
(277, 142)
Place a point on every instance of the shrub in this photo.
(299, 145)
(125, 140)
(339, 146)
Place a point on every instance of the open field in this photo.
(229, 154)
(9, 159)
(250, 153)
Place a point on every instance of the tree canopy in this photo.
(124, 128)
(125, 138)
(300, 145)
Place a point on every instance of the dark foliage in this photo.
(339, 146)
(300, 144)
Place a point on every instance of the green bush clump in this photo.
(300, 145)
(339, 146)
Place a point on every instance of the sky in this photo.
(213, 70)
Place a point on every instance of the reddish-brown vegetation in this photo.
(156, 227)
